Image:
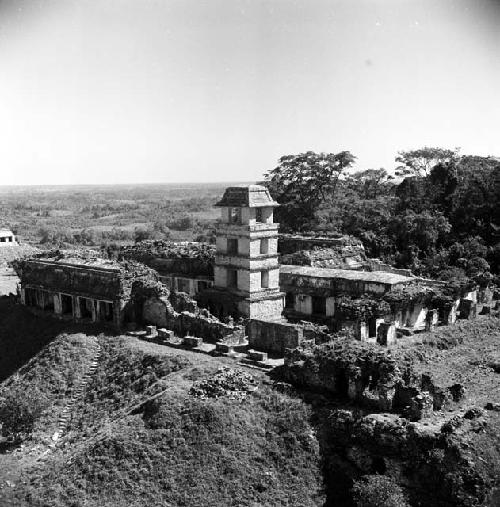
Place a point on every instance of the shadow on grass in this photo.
(23, 334)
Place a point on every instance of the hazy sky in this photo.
(118, 91)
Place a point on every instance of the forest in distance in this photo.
(437, 214)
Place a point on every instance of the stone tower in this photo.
(246, 263)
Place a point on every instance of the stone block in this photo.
(224, 348)
(151, 332)
(192, 341)
(274, 336)
(165, 334)
(256, 355)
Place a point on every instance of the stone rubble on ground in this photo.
(235, 384)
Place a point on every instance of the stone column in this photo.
(192, 287)
(386, 333)
(76, 308)
(361, 331)
(95, 304)
(118, 307)
(22, 291)
(57, 304)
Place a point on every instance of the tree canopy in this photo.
(421, 161)
(301, 183)
(442, 220)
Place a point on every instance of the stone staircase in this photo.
(77, 395)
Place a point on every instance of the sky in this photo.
(145, 91)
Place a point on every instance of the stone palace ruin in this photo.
(284, 289)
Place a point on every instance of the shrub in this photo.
(378, 491)
(20, 409)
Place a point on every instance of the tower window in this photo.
(264, 279)
(258, 215)
(232, 278)
(234, 215)
(264, 246)
(232, 246)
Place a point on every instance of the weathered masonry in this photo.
(313, 291)
(78, 288)
(246, 270)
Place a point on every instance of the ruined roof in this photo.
(83, 258)
(5, 232)
(346, 274)
(248, 196)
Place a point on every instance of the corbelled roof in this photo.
(249, 196)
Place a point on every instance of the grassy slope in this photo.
(140, 439)
(22, 335)
(464, 353)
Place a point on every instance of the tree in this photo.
(371, 183)
(301, 183)
(420, 162)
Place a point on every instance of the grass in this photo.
(139, 438)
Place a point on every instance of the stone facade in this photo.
(7, 238)
(79, 286)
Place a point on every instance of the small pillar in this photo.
(77, 314)
(386, 333)
(431, 320)
(362, 331)
(95, 305)
(450, 315)
(57, 304)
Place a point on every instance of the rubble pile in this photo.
(169, 250)
(235, 384)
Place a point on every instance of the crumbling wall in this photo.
(193, 259)
(202, 325)
(178, 312)
(291, 243)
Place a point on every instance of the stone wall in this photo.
(178, 312)
(272, 336)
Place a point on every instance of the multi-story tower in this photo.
(246, 263)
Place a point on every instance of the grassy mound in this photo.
(140, 438)
(46, 382)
